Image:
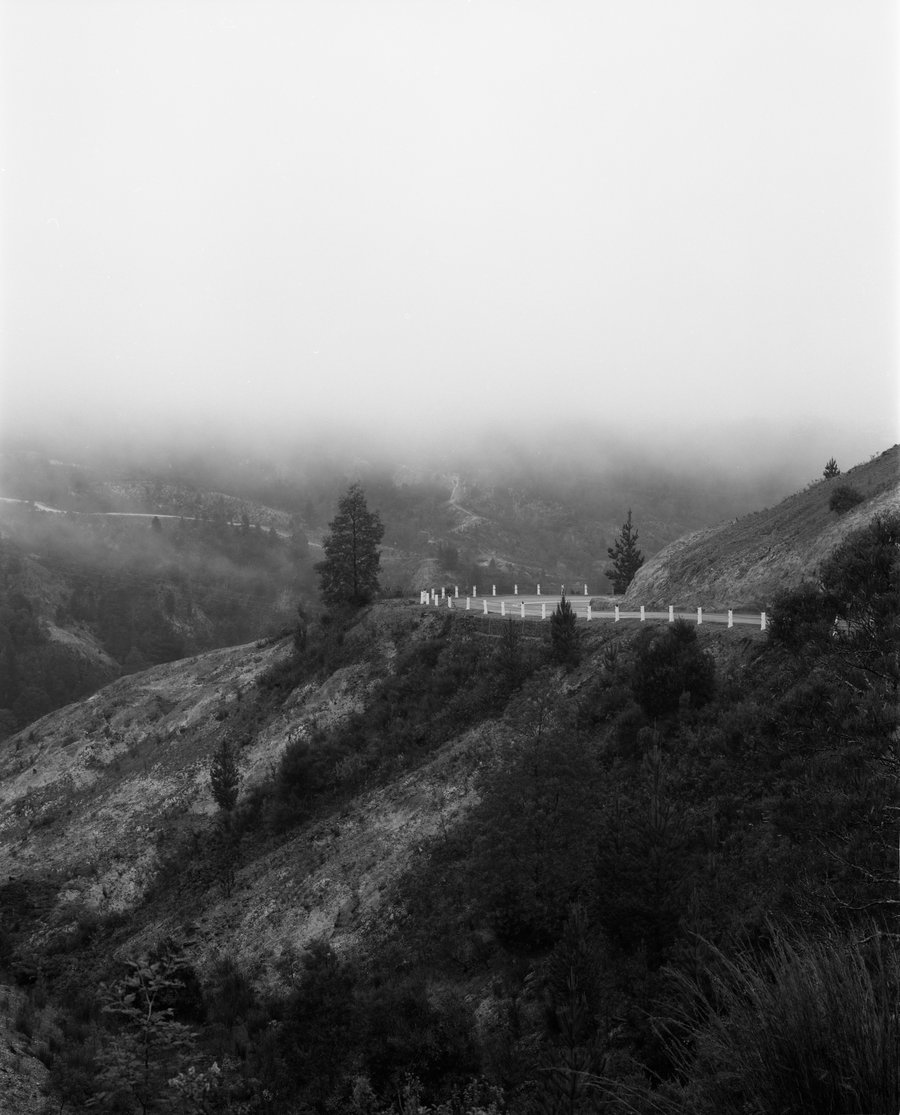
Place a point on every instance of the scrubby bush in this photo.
(844, 498)
(669, 664)
(800, 616)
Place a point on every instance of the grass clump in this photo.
(806, 1025)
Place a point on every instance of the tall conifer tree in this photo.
(349, 573)
(626, 557)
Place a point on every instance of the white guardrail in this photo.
(537, 606)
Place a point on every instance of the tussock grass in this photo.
(810, 1026)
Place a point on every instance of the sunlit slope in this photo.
(746, 562)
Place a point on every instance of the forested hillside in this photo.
(83, 599)
(111, 563)
(475, 868)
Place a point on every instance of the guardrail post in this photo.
(485, 605)
(642, 614)
(449, 601)
(443, 593)
(539, 590)
(617, 613)
(515, 590)
(468, 603)
(585, 590)
(762, 621)
(493, 590)
(502, 607)
(474, 590)
(522, 605)
(456, 591)
(730, 618)
(671, 613)
(589, 613)
(699, 616)
(543, 610)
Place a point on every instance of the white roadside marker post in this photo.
(617, 613)
(730, 618)
(643, 616)
(699, 616)
(671, 613)
(762, 621)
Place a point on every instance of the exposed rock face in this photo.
(746, 562)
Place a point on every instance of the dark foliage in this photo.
(349, 573)
(670, 669)
(224, 777)
(844, 498)
(565, 645)
(626, 557)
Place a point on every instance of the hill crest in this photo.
(746, 562)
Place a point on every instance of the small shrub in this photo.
(844, 498)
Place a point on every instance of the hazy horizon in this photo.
(426, 226)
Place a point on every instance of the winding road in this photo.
(592, 608)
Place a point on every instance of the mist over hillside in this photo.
(114, 559)
(749, 561)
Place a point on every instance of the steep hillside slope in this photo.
(746, 562)
(445, 831)
(97, 797)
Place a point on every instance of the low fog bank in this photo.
(758, 462)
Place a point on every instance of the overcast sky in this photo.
(434, 212)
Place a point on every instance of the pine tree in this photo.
(349, 573)
(626, 557)
(831, 469)
(564, 641)
(225, 778)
